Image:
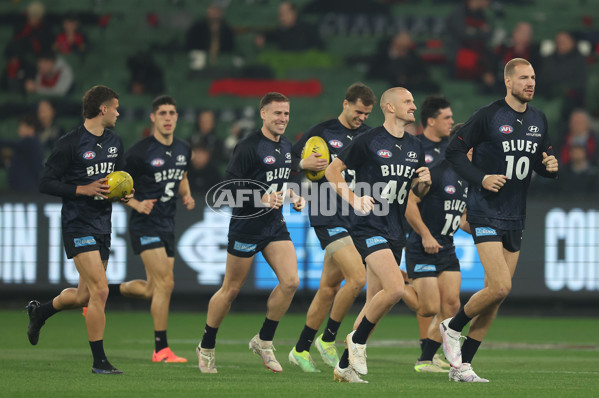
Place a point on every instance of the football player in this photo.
(158, 165)
(76, 171)
(341, 260)
(261, 159)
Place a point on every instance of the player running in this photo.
(431, 260)
(261, 159)
(436, 118)
(388, 163)
(341, 260)
(76, 171)
(510, 139)
(158, 165)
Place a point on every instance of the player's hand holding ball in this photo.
(315, 158)
(98, 189)
(121, 186)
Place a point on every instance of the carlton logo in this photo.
(335, 143)
(450, 189)
(384, 153)
(89, 155)
(270, 159)
(506, 129)
(428, 158)
(157, 162)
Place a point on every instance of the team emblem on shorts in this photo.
(506, 129)
(89, 155)
(428, 158)
(270, 159)
(450, 189)
(157, 162)
(335, 143)
(384, 153)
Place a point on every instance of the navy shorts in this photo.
(367, 245)
(141, 242)
(243, 246)
(76, 243)
(431, 265)
(328, 235)
(511, 239)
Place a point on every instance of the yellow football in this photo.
(315, 145)
(121, 185)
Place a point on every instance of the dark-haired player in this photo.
(262, 159)
(341, 260)
(158, 165)
(510, 139)
(388, 162)
(431, 260)
(76, 171)
(436, 118)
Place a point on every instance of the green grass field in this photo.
(523, 357)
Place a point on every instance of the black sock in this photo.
(429, 348)
(100, 360)
(114, 290)
(421, 341)
(460, 320)
(267, 333)
(46, 310)
(305, 340)
(160, 341)
(330, 332)
(344, 361)
(469, 348)
(209, 339)
(363, 331)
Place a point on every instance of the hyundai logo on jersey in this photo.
(157, 162)
(384, 153)
(506, 129)
(533, 129)
(335, 143)
(450, 189)
(112, 149)
(412, 155)
(428, 158)
(89, 155)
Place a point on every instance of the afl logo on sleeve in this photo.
(450, 189)
(157, 162)
(335, 143)
(428, 158)
(270, 160)
(506, 129)
(89, 155)
(384, 153)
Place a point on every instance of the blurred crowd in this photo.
(472, 45)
